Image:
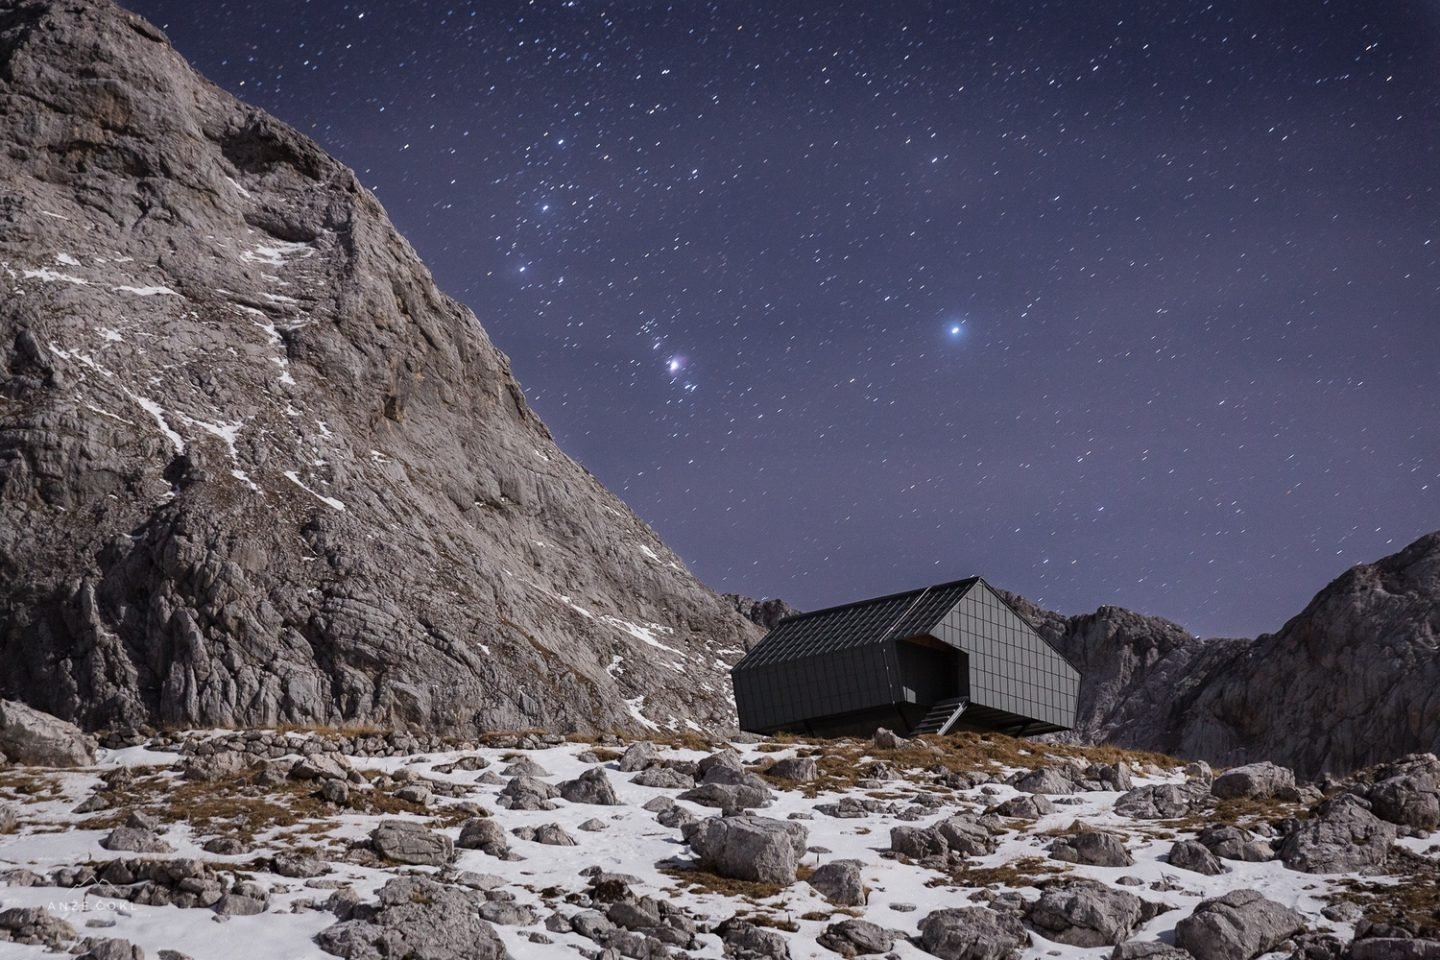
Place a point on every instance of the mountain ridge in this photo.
(255, 468)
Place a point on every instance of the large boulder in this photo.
(1086, 913)
(918, 843)
(749, 848)
(802, 769)
(485, 834)
(1343, 836)
(1092, 847)
(1164, 801)
(973, 933)
(1256, 781)
(1052, 780)
(1026, 807)
(1236, 843)
(665, 778)
(1407, 792)
(839, 882)
(418, 919)
(33, 738)
(965, 835)
(855, 938)
(728, 796)
(402, 841)
(1192, 855)
(1237, 926)
(592, 786)
(637, 757)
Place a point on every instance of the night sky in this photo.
(1129, 303)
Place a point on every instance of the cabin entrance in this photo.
(930, 671)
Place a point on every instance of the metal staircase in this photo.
(942, 716)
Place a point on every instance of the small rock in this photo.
(593, 826)
(553, 835)
(666, 778)
(853, 938)
(224, 846)
(1164, 801)
(592, 786)
(507, 913)
(886, 739)
(416, 793)
(1025, 807)
(800, 769)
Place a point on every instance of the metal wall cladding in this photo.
(1011, 667)
(789, 692)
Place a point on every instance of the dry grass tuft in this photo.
(27, 785)
(694, 879)
(1025, 872)
(1413, 903)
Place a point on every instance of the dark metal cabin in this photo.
(948, 657)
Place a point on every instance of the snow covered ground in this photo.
(630, 841)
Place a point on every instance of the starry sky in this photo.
(1110, 303)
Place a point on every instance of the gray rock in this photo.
(676, 816)
(33, 738)
(1026, 807)
(9, 820)
(527, 793)
(482, 833)
(964, 835)
(551, 834)
(130, 839)
(592, 786)
(110, 949)
(402, 841)
(802, 769)
(749, 847)
(336, 792)
(1407, 792)
(1257, 781)
(766, 612)
(886, 739)
(222, 765)
(239, 904)
(1110, 776)
(1164, 801)
(416, 793)
(1092, 847)
(1343, 836)
(745, 941)
(1394, 948)
(855, 938)
(972, 933)
(1234, 843)
(507, 913)
(1048, 780)
(638, 756)
(276, 284)
(666, 778)
(1149, 950)
(524, 767)
(593, 825)
(1194, 856)
(1086, 913)
(420, 919)
(298, 866)
(321, 766)
(839, 882)
(36, 925)
(728, 796)
(1237, 926)
(1199, 770)
(917, 843)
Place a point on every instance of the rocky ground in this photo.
(358, 844)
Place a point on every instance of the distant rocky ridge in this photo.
(255, 468)
(765, 612)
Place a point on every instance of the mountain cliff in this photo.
(1352, 680)
(255, 468)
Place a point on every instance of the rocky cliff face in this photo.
(1353, 680)
(765, 612)
(255, 468)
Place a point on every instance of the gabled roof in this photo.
(857, 624)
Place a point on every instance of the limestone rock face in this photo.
(255, 468)
(1351, 681)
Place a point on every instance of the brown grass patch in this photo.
(693, 879)
(28, 786)
(1024, 872)
(1412, 903)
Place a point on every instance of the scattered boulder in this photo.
(1149, 950)
(801, 769)
(30, 737)
(1092, 847)
(35, 925)
(1199, 770)
(728, 796)
(1193, 855)
(402, 841)
(138, 834)
(1407, 792)
(972, 933)
(524, 792)
(1052, 780)
(507, 913)
(244, 899)
(321, 766)
(1164, 801)
(1256, 781)
(1087, 913)
(593, 825)
(666, 778)
(1343, 836)
(484, 833)
(886, 739)
(553, 835)
(638, 756)
(592, 786)
(1110, 776)
(745, 941)
(917, 843)
(9, 820)
(1394, 948)
(839, 882)
(1237, 926)
(1235, 843)
(1026, 807)
(749, 847)
(108, 948)
(967, 836)
(221, 765)
(416, 917)
(525, 767)
(855, 938)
